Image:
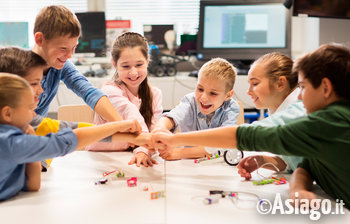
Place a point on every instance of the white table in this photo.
(69, 195)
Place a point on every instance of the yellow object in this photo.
(48, 125)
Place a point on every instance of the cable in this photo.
(265, 164)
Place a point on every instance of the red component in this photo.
(132, 182)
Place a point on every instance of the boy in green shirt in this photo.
(322, 138)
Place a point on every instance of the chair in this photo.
(77, 113)
(240, 118)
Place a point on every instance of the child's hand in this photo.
(29, 130)
(170, 153)
(162, 141)
(142, 158)
(248, 165)
(303, 194)
(131, 126)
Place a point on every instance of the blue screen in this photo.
(244, 26)
(14, 34)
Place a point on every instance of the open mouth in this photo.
(135, 79)
(205, 106)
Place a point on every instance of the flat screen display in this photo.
(243, 30)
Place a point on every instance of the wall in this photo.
(335, 30)
(305, 35)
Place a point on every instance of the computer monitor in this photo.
(93, 38)
(14, 34)
(243, 30)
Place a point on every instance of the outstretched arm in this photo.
(89, 135)
(224, 137)
(105, 109)
(164, 123)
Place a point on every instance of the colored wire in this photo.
(265, 164)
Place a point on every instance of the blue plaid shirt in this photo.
(188, 117)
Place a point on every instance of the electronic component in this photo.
(101, 181)
(233, 156)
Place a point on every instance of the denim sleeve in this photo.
(32, 148)
(80, 85)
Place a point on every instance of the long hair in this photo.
(131, 40)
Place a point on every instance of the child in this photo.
(273, 86)
(210, 106)
(322, 137)
(56, 34)
(130, 92)
(19, 151)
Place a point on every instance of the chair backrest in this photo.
(240, 119)
(78, 113)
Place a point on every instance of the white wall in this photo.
(335, 30)
(305, 35)
(308, 33)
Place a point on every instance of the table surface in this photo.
(69, 195)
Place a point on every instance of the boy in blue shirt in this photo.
(210, 106)
(56, 34)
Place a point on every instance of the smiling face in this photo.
(132, 68)
(57, 50)
(263, 93)
(23, 114)
(211, 94)
(34, 77)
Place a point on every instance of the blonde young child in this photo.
(19, 151)
(322, 137)
(210, 106)
(273, 86)
(130, 93)
(56, 34)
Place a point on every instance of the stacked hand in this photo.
(130, 126)
(160, 140)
